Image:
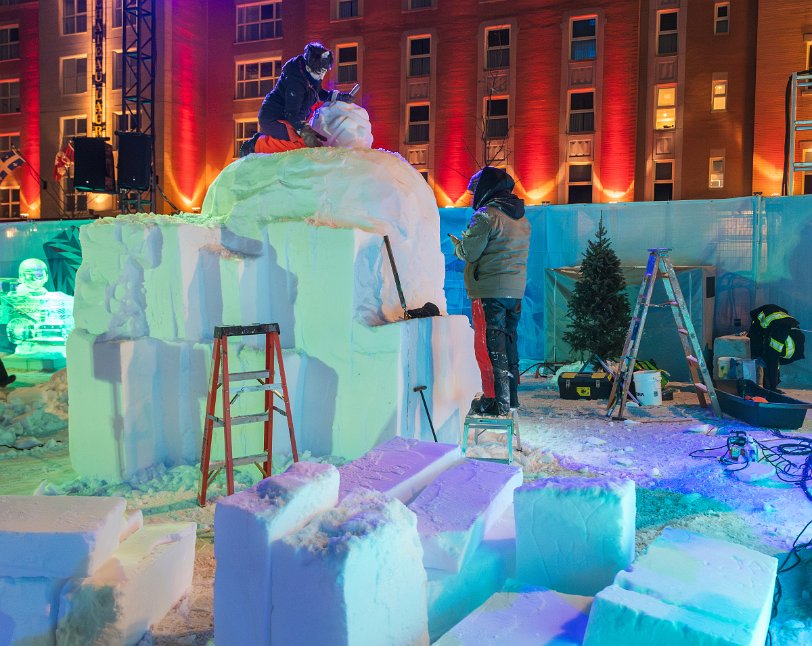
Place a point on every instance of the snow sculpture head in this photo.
(345, 125)
(32, 274)
(318, 60)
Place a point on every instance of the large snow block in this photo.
(246, 525)
(455, 511)
(399, 467)
(574, 534)
(526, 617)
(28, 610)
(362, 562)
(58, 536)
(149, 573)
(675, 572)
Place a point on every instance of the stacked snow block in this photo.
(66, 577)
(573, 535)
(687, 589)
(399, 467)
(363, 562)
(459, 506)
(523, 615)
(247, 528)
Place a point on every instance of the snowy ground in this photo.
(559, 437)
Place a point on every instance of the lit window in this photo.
(71, 127)
(257, 78)
(419, 56)
(583, 41)
(663, 181)
(667, 32)
(118, 70)
(74, 16)
(243, 131)
(809, 56)
(9, 202)
(579, 184)
(721, 18)
(259, 21)
(717, 172)
(496, 118)
(347, 9)
(347, 71)
(9, 43)
(582, 112)
(74, 75)
(9, 142)
(666, 116)
(497, 48)
(9, 97)
(719, 101)
(418, 122)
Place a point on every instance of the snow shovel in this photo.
(429, 309)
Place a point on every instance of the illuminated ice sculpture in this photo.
(37, 321)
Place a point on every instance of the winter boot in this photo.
(248, 145)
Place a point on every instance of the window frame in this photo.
(658, 107)
(63, 138)
(573, 113)
(276, 21)
(580, 183)
(12, 45)
(719, 20)
(7, 201)
(408, 5)
(501, 49)
(719, 182)
(721, 96)
(493, 118)
(76, 76)
(663, 181)
(258, 81)
(422, 58)
(356, 63)
(419, 123)
(577, 40)
(13, 107)
(76, 17)
(11, 136)
(667, 33)
(337, 5)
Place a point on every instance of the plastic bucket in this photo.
(648, 386)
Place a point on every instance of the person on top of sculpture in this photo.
(286, 108)
(495, 247)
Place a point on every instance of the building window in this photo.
(9, 142)
(666, 116)
(496, 118)
(74, 16)
(583, 40)
(118, 13)
(807, 158)
(9, 43)
(257, 78)
(721, 18)
(71, 127)
(74, 75)
(421, 4)
(419, 55)
(347, 56)
(809, 56)
(719, 96)
(118, 70)
(124, 123)
(497, 48)
(582, 112)
(347, 9)
(667, 32)
(9, 202)
(717, 172)
(259, 21)
(418, 123)
(663, 181)
(579, 185)
(243, 131)
(9, 97)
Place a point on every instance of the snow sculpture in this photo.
(292, 238)
(345, 125)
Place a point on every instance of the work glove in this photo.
(346, 97)
(312, 138)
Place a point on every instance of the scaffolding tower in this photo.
(800, 82)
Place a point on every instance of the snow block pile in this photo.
(574, 534)
(523, 616)
(293, 238)
(687, 588)
(345, 125)
(362, 560)
(247, 525)
(75, 570)
(455, 511)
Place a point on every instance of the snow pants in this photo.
(496, 321)
(276, 143)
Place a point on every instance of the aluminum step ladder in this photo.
(222, 378)
(660, 266)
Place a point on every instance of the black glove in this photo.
(312, 138)
(346, 97)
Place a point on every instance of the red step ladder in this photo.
(222, 378)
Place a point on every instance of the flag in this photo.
(64, 159)
(9, 160)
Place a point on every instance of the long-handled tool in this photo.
(397, 277)
(420, 389)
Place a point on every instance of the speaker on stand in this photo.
(134, 161)
(93, 165)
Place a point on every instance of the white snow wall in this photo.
(293, 238)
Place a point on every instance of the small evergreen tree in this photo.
(599, 309)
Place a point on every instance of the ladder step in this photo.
(701, 387)
(248, 459)
(257, 388)
(248, 376)
(240, 419)
(682, 330)
(692, 359)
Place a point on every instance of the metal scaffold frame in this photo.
(138, 88)
(800, 82)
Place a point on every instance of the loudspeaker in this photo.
(93, 165)
(134, 160)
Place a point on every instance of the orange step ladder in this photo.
(221, 378)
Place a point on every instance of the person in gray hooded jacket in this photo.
(495, 247)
